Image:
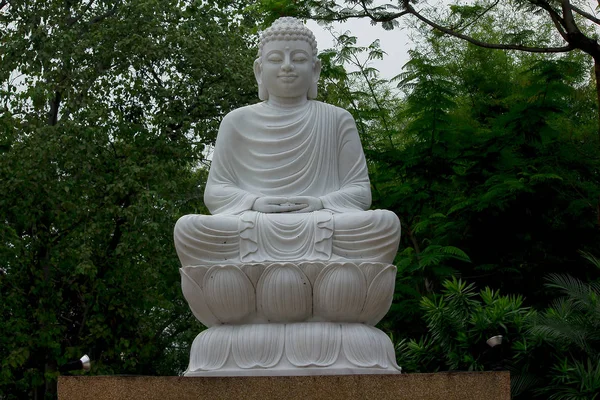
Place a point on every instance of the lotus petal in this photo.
(229, 293)
(371, 269)
(284, 293)
(196, 273)
(313, 344)
(210, 349)
(339, 292)
(311, 270)
(390, 350)
(379, 296)
(364, 346)
(258, 345)
(253, 271)
(195, 297)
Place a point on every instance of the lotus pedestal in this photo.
(303, 318)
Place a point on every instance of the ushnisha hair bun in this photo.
(288, 28)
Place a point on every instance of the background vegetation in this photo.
(491, 159)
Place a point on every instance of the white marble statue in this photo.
(291, 264)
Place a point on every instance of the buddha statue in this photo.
(291, 261)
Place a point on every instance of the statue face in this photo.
(287, 68)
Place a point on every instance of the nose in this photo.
(287, 66)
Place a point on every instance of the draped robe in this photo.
(262, 150)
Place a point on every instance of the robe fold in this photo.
(266, 151)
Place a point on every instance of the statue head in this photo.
(287, 63)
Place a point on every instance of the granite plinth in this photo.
(446, 386)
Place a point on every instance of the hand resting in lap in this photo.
(296, 204)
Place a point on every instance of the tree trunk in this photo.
(597, 76)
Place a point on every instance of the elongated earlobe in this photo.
(312, 91)
(263, 94)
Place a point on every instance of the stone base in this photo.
(307, 348)
(440, 386)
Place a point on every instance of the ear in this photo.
(317, 71)
(257, 71)
(262, 92)
(312, 92)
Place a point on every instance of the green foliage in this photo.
(552, 354)
(459, 321)
(267, 11)
(106, 110)
(466, 169)
(571, 325)
(575, 381)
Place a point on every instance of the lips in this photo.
(287, 78)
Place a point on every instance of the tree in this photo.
(574, 23)
(106, 110)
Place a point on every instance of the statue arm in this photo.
(354, 193)
(223, 194)
(227, 199)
